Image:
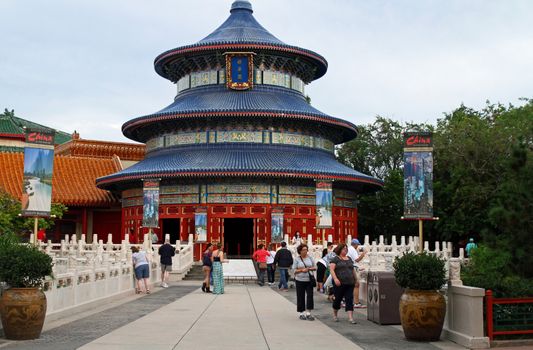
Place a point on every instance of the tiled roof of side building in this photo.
(276, 102)
(242, 160)
(101, 149)
(14, 126)
(73, 182)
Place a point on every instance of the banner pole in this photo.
(420, 235)
(35, 229)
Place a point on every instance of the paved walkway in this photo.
(245, 317)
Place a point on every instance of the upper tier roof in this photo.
(241, 32)
(218, 101)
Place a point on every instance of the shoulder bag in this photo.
(312, 278)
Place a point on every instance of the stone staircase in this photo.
(235, 271)
(195, 274)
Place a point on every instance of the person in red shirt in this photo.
(41, 235)
(260, 256)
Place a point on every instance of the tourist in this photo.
(166, 252)
(41, 235)
(342, 271)
(283, 260)
(260, 257)
(322, 266)
(302, 266)
(217, 258)
(142, 269)
(470, 246)
(153, 237)
(271, 267)
(297, 239)
(353, 253)
(207, 266)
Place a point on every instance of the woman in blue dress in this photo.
(217, 257)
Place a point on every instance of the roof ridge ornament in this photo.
(241, 5)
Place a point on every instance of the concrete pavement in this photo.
(245, 317)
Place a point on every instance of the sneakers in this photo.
(353, 322)
(310, 317)
(303, 317)
(359, 306)
(164, 285)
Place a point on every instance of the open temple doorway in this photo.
(171, 227)
(238, 238)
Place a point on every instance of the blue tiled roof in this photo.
(262, 98)
(241, 28)
(242, 158)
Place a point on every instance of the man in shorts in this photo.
(166, 251)
(356, 256)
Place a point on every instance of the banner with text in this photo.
(276, 225)
(151, 203)
(38, 169)
(418, 175)
(200, 224)
(324, 204)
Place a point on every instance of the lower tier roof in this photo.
(242, 160)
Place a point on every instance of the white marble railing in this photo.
(380, 256)
(86, 273)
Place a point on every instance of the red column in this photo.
(490, 325)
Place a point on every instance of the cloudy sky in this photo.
(87, 65)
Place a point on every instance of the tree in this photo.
(11, 222)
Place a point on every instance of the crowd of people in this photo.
(337, 273)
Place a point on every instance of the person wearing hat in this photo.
(356, 256)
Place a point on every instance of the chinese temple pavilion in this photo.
(240, 141)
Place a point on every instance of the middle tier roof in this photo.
(270, 102)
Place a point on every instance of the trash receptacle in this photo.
(383, 298)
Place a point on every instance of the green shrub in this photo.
(491, 269)
(420, 271)
(22, 265)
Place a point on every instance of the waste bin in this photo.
(383, 298)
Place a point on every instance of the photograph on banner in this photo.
(200, 226)
(324, 204)
(38, 169)
(418, 184)
(37, 182)
(276, 226)
(151, 203)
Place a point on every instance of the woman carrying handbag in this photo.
(305, 282)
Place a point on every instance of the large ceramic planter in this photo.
(23, 311)
(422, 314)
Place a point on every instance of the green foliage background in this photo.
(483, 182)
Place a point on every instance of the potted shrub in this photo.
(422, 307)
(23, 268)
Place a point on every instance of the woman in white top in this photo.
(271, 268)
(303, 266)
(142, 269)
